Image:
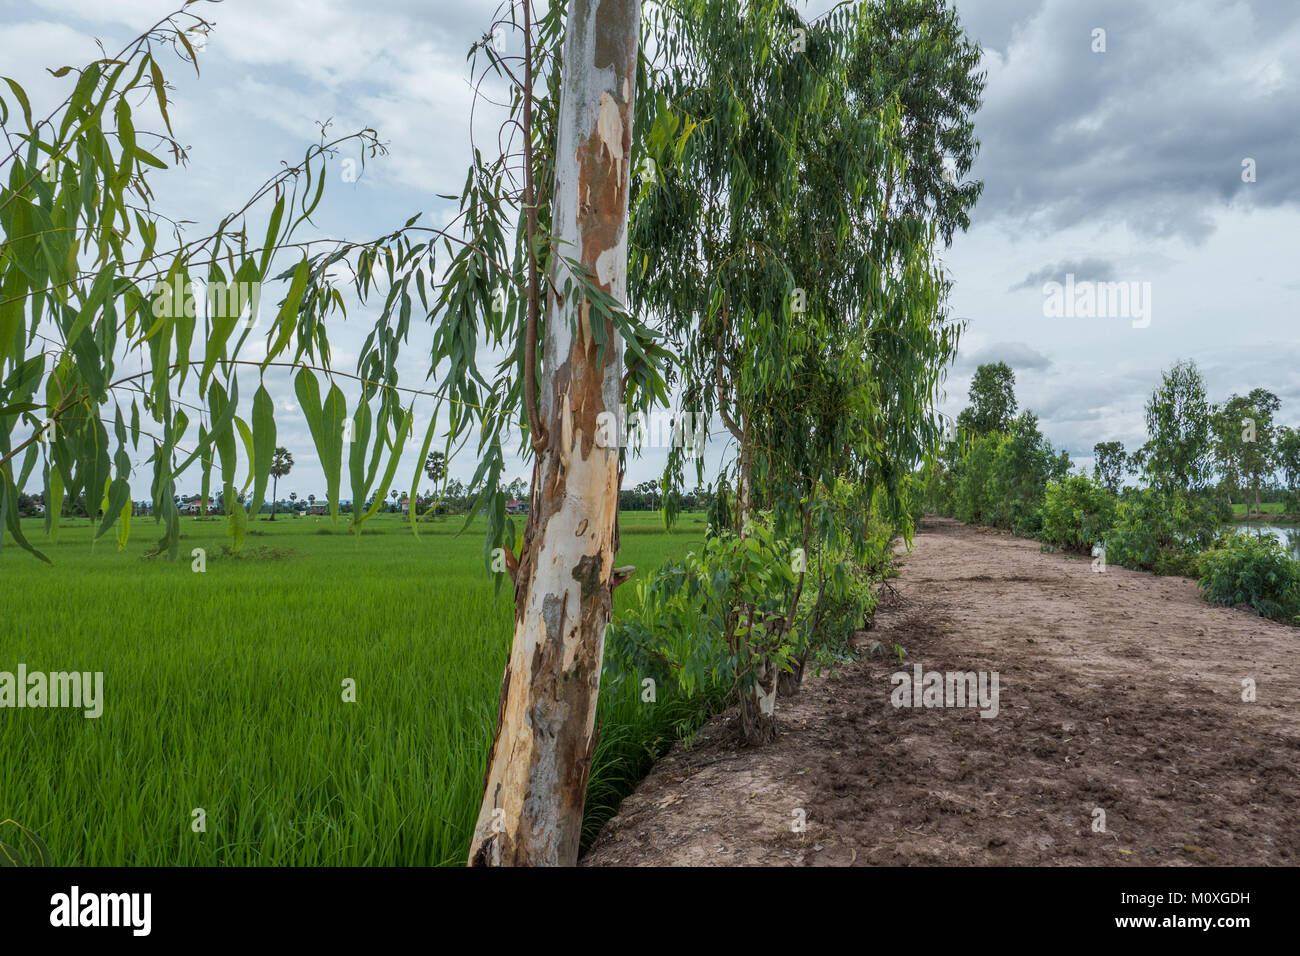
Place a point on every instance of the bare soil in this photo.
(1119, 691)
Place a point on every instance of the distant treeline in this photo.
(997, 469)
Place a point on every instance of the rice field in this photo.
(224, 693)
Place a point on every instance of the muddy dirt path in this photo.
(1119, 692)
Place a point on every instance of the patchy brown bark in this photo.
(536, 781)
(758, 707)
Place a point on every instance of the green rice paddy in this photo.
(224, 693)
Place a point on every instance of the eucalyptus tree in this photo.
(1244, 438)
(806, 310)
(95, 282)
(918, 52)
(1110, 462)
(992, 400)
(1178, 453)
(533, 268)
(1288, 462)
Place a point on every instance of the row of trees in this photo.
(1198, 458)
(779, 188)
(995, 467)
(1237, 447)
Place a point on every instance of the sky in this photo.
(1113, 157)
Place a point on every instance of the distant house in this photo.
(319, 508)
(516, 507)
(193, 506)
(406, 505)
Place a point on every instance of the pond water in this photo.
(1288, 535)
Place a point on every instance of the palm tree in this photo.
(281, 465)
(435, 467)
(293, 496)
(394, 497)
(311, 502)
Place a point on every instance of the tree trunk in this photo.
(536, 780)
(745, 491)
(758, 704)
(275, 484)
(758, 707)
(788, 684)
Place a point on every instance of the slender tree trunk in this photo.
(758, 703)
(536, 780)
(758, 707)
(275, 484)
(789, 682)
(744, 497)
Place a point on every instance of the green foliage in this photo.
(1077, 513)
(89, 281)
(919, 50)
(1245, 440)
(842, 596)
(704, 622)
(1288, 459)
(973, 493)
(710, 618)
(19, 846)
(1254, 570)
(992, 400)
(817, 338)
(1178, 452)
(999, 479)
(1163, 531)
(91, 288)
(1110, 464)
(789, 236)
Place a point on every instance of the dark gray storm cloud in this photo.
(1153, 131)
(1091, 269)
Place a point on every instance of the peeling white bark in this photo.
(536, 780)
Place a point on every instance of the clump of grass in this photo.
(260, 554)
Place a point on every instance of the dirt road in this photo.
(1121, 735)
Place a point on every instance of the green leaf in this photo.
(272, 235)
(53, 501)
(419, 465)
(126, 136)
(160, 92)
(20, 846)
(326, 426)
(287, 320)
(21, 96)
(263, 446)
(403, 431)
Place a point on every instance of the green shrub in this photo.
(1163, 531)
(1077, 513)
(680, 628)
(839, 594)
(1254, 570)
(975, 499)
(1026, 519)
